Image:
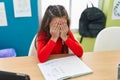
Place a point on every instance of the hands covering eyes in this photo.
(59, 28)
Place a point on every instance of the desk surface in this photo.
(103, 64)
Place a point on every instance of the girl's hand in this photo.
(64, 31)
(54, 30)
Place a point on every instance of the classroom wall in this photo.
(107, 9)
(20, 31)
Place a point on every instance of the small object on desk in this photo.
(8, 52)
(4, 75)
(64, 68)
(118, 71)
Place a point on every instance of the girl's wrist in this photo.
(65, 38)
(54, 39)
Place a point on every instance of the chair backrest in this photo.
(32, 49)
(108, 39)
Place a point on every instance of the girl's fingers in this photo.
(64, 28)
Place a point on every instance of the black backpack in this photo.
(91, 22)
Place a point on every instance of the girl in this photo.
(54, 35)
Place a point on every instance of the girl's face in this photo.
(58, 21)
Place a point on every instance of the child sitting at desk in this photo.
(54, 35)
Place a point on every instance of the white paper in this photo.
(63, 68)
(116, 10)
(3, 20)
(22, 8)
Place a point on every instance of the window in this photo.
(77, 8)
(73, 7)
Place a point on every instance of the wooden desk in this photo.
(103, 64)
(27, 65)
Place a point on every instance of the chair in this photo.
(108, 39)
(32, 49)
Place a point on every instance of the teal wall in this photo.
(20, 31)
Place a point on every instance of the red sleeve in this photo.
(44, 49)
(74, 45)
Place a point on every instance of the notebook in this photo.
(64, 68)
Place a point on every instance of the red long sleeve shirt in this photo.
(47, 48)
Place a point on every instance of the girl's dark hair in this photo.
(51, 12)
